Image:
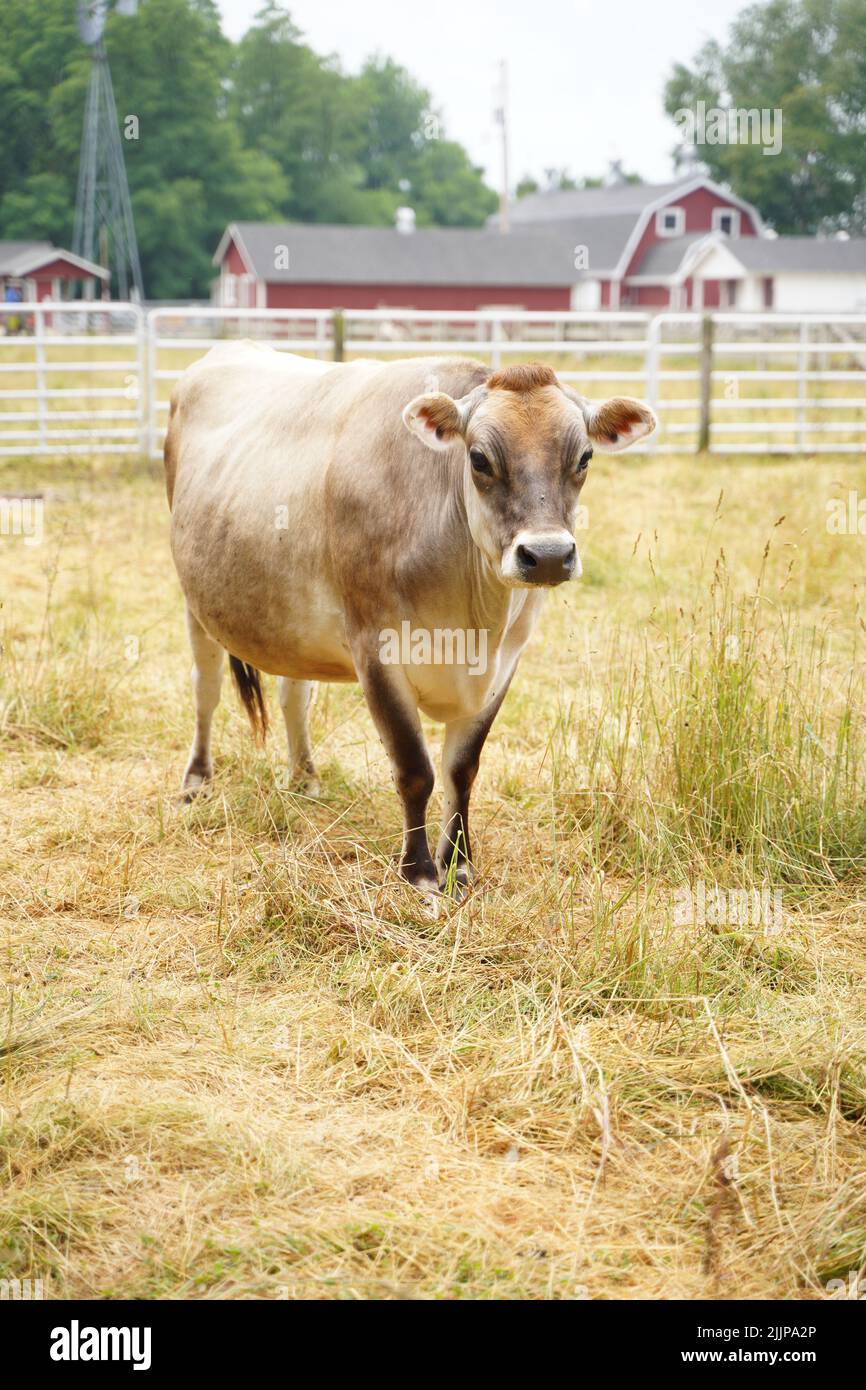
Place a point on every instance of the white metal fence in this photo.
(73, 378)
(96, 378)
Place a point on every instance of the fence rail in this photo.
(97, 377)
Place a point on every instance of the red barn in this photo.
(624, 246)
(637, 239)
(319, 266)
(36, 270)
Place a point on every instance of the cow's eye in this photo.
(480, 462)
(583, 461)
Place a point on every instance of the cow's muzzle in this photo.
(542, 559)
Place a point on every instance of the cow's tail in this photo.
(250, 690)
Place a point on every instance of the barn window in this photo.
(670, 221)
(726, 220)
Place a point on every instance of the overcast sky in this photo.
(586, 76)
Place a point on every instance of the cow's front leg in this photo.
(461, 754)
(395, 715)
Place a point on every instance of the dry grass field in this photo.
(237, 1060)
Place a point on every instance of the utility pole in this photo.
(500, 115)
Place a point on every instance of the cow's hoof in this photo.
(301, 782)
(458, 891)
(427, 888)
(194, 783)
(458, 884)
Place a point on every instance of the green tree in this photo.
(170, 66)
(446, 189)
(807, 59)
(262, 130)
(352, 149)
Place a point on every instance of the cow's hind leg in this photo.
(461, 754)
(207, 671)
(294, 697)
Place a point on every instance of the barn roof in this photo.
(665, 257)
(25, 257)
(800, 254)
(562, 205)
(327, 254)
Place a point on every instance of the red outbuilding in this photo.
(623, 246)
(31, 271)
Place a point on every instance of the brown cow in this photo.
(317, 537)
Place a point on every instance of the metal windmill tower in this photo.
(104, 229)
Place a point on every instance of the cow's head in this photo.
(527, 442)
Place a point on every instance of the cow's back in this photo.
(228, 392)
(263, 451)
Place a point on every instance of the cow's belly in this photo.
(256, 577)
(304, 640)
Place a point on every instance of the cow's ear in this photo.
(434, 418)
(618, 423)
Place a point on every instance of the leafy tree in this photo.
(446, 189)
(38, 209)
(170, 66)
(352, 148)
(806, 58)
(263, 130)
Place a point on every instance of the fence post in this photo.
(152, 331)
(802, 388)
(706, 383)
(496, 336)
(39, 332)
(652, 367)
(142, 395)
(339, 331)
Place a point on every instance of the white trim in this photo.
(231, 233)
(229, 291)
(639, 280)
(679, 215)
(692, 256)
(733, 213)
(245, 293)
(56, 253)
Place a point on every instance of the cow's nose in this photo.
(547, 561)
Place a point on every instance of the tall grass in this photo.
(720, 733)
